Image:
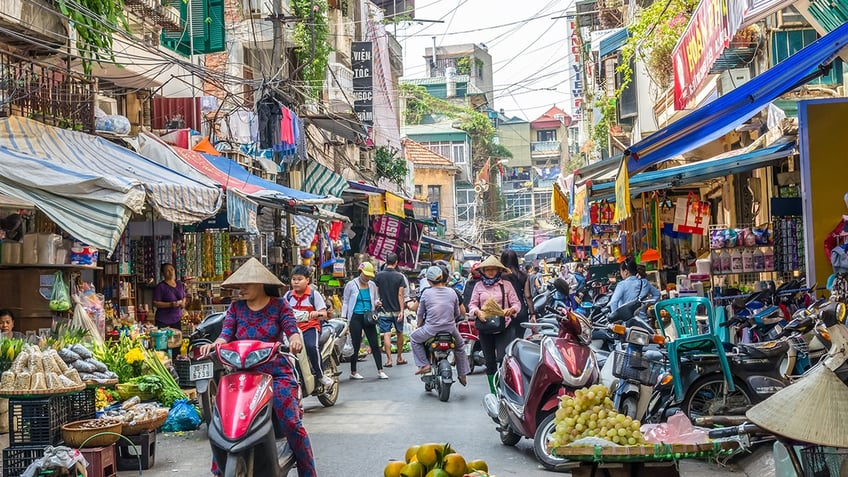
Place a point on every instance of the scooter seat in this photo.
(764, 350)
(528, 355)
(326, 331)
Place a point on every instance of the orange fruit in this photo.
(455, 465)
(427, 454)
(393, 468)
(477, 464)
(410, 453)
(437, 473)
(412, 469)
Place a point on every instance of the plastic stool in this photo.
(144, 448)
(101, 461)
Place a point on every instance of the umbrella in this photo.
(551, 248)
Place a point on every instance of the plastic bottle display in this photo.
(759, 261)
(747, 260)
(736, 262)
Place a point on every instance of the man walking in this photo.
(391, 284)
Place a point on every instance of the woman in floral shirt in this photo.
(261, 316)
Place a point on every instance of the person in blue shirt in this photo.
(631, 287)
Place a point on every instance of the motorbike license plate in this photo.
(201, 371)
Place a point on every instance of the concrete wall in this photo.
(447, 201)
(516, 138)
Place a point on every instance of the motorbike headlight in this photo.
(255, 357)
(638, 337)
(230, 357)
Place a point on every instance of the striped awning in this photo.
(176, 198)
(318, 179)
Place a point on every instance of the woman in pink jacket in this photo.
(503, 293)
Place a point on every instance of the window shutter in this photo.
(207, 28)
(789, 42)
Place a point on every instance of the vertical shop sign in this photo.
(576, 74)
(363, 74)
(622, 193)
(702, 42)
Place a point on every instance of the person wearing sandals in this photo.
(438, 311)
(392, 286)
(361, 297)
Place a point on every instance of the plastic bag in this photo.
(59, 457)
(678, 430)
(182, 417)
(60, 299)
(82, 321)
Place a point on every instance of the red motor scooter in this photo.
(534, 375)
(471, 343)
(243, 429)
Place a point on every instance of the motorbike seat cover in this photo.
(527, 354)
(764, 350)
(326, 332)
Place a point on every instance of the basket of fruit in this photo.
(91, 433)
(436, 460)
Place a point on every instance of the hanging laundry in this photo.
(287, 144)
(269, 114)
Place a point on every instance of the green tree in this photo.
(313, 22)
(94, 22)
(390, 166)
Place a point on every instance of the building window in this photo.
(788, 42)
(466, 205)
(518, 205)
(434, 193)
(418, 193)
(455, 151)
(546, 135)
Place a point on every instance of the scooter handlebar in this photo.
(740, 430)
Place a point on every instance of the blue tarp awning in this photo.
(717, 118)
(89, 186)
(612, 42)
(729, 163)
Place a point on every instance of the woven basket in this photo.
(76, 437)
(127, 390)
(139, 427)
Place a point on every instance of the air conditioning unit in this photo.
(734, 78)
(107, 104)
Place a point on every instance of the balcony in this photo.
(545, 148)
(340, 88)
(153, 11)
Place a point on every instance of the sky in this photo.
(528, 48)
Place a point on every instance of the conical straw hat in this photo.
(252, 271)
(492, 262)
(814, 410)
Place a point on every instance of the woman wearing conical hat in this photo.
(263, 315)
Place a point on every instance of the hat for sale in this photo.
(252, 271)
(825, 423)
(492, 262)
(367, 269)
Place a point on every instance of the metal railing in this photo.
(545, 146)
(46, 93)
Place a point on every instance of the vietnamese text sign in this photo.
(698, 48)
(363, 73)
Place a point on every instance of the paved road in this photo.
(375, 421)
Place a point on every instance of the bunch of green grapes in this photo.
(590, 413)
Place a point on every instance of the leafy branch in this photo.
(313, 20)
(390, 166)
(94, 28)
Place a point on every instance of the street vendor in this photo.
(7, 325)
(169, 299)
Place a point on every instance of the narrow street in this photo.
(375, 421)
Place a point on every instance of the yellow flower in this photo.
(134, 355)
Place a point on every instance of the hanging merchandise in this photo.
(692, 215)
(60, 300)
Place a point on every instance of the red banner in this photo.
(701, 44)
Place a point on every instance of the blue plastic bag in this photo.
(182, 417)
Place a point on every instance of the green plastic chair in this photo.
(689, 336)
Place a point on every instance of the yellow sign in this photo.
(375, 205)
(579, 213)
(622, 193)
(394, 205)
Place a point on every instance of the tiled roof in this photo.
(423, 157)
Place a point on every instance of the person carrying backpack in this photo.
(309, 310)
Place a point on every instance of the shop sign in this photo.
(389, 234)
(698, 48)
(394, 205)
(362, 64)
(576, 74)
(622, 193)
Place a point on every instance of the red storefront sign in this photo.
(701, 44)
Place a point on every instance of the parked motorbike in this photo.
(330, 342)
(533, 376)
(471, 344)
(204, 371)
(243, 432)
(440, 377)
(636, 365)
